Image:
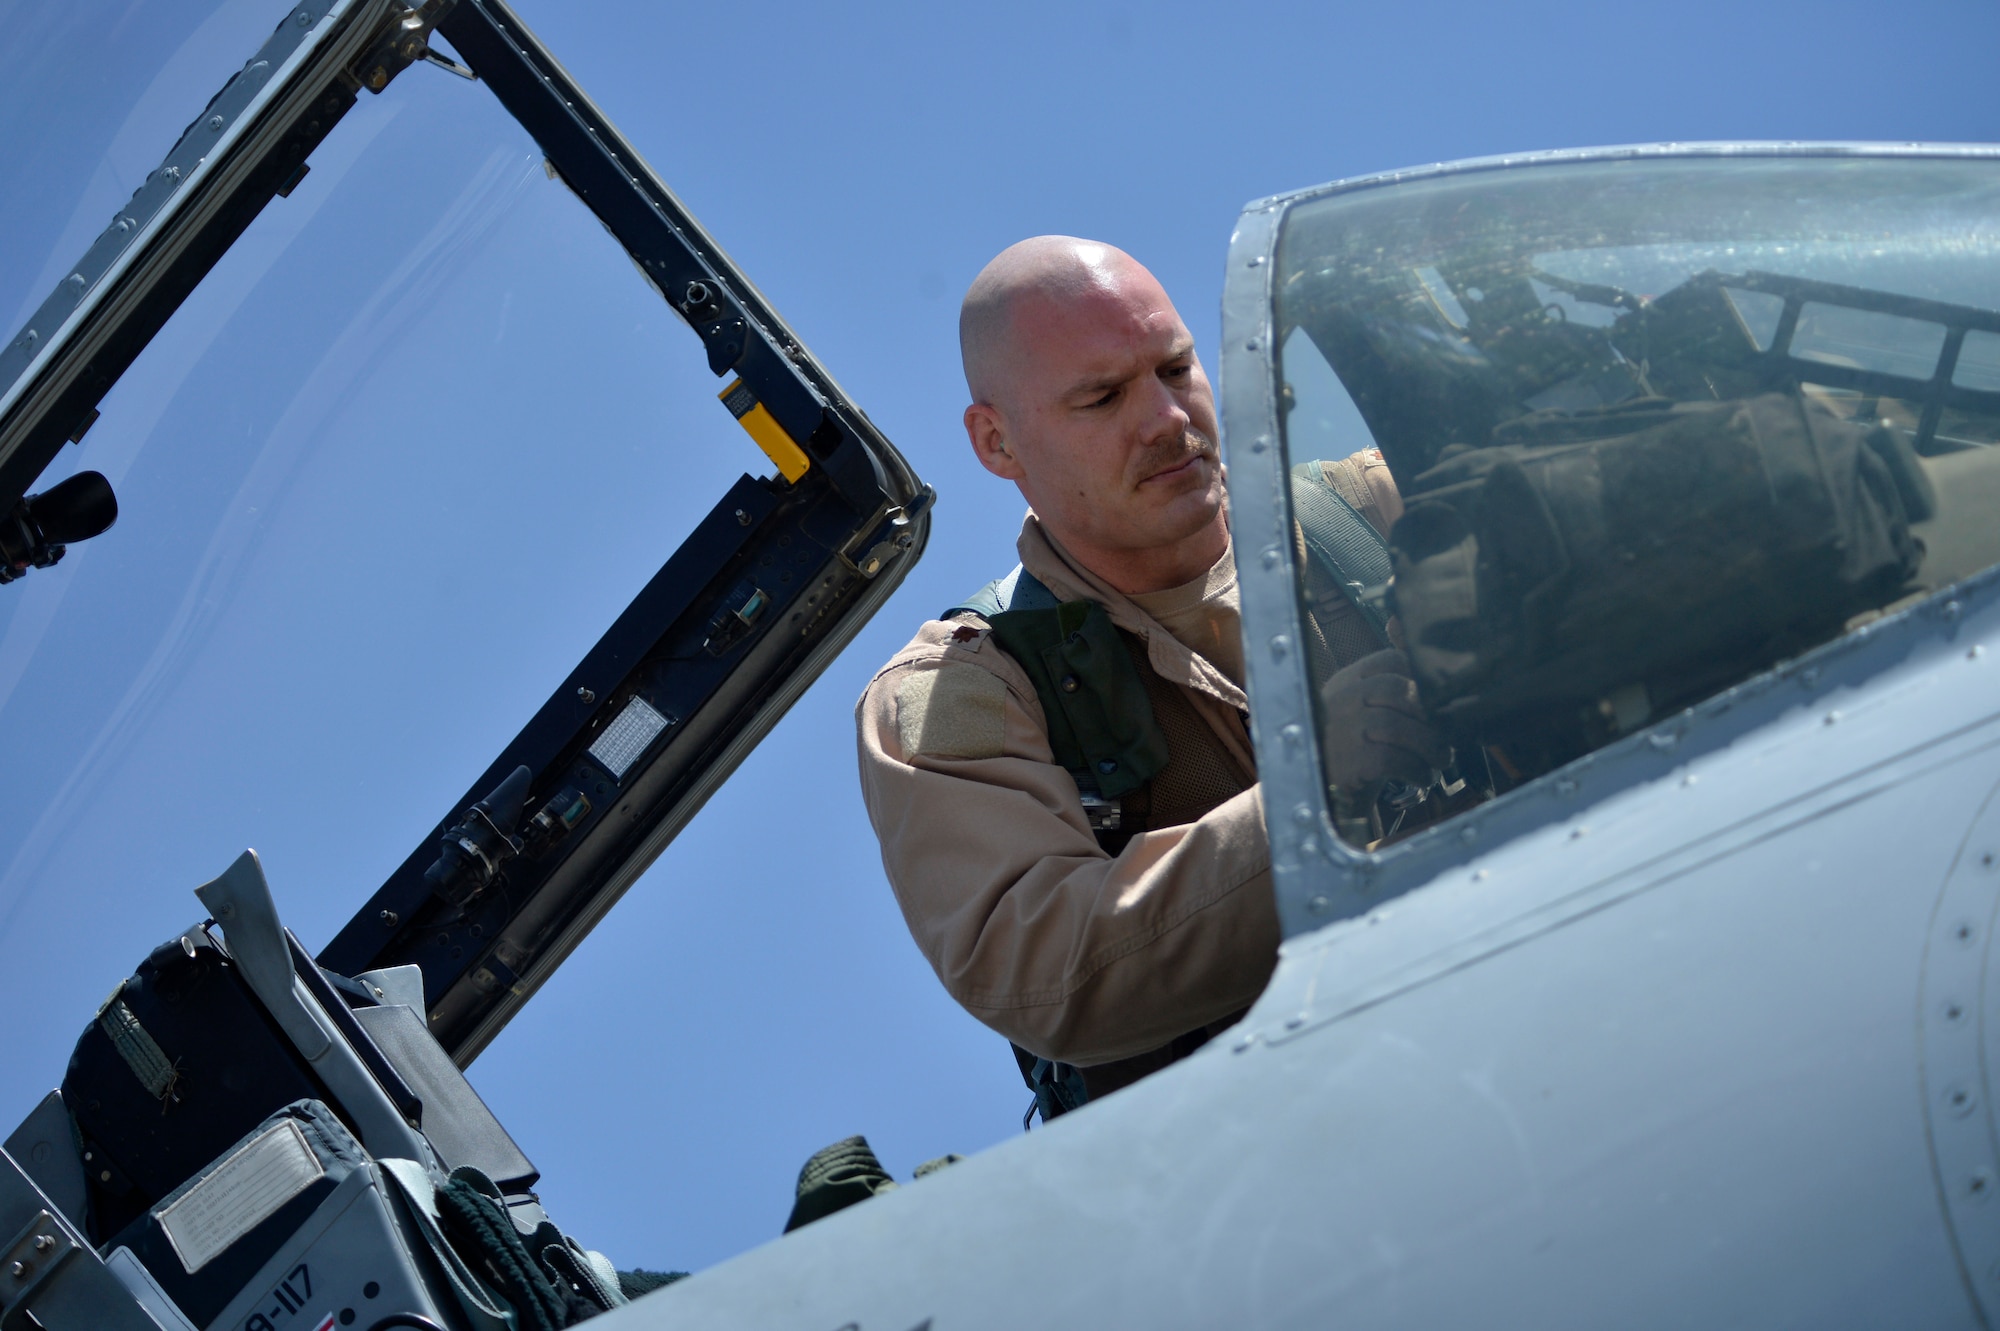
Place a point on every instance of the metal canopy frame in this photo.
(1319, 878)
(710, 654)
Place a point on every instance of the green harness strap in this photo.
(1101, 724)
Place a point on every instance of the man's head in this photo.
(1087, 394)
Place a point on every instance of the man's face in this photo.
(1106, 420)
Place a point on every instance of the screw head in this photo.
(391, 919)
(585, 695)
(17, 1270)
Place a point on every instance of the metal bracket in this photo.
(404, 43)
(34, 1254)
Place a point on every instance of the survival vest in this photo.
(1103, 707)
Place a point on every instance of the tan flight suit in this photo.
(1072, 953)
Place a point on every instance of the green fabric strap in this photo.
(1343, 544)
(1101, 724)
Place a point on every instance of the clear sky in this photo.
(424, 432)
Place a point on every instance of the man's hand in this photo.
(1375, 727)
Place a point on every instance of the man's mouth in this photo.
(1178, 469)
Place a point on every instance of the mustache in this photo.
(1191, 444)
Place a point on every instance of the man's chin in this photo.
(1186, 515)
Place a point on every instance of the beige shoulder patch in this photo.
(955, 711)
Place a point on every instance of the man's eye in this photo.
(1104, 401)
(1177, 371)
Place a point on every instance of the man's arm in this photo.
(1072, 954)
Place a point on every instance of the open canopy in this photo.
(302, 398)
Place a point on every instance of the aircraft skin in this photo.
(1706, 1046)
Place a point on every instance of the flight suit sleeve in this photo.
(1068, 952)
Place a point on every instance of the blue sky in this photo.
(392, 470)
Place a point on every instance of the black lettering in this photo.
(258, 1322)
(304, 1277)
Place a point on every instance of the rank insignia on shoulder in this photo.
(964, 633)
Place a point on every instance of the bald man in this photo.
(1106, 944)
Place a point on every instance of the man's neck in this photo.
(1136, 572)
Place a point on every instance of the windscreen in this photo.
(1589, 442)
(383, 480)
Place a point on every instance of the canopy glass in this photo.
(1653, 425)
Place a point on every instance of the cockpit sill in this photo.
(1321, 880)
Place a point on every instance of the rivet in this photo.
(584, 694)
(1302, 814)
(390, 918)
(1479, 875)
(1566, 786)
(1689, 779)
(17, 1270)
(1251, 345)
(1965, 933)
(1292, 734)
(1954, 1012)
(1577, 833)
(1069, 684)
(226, 911)
(1952, 609)
(1980, 1185)
(742, 518)
(1259, 444)
(215, 122)
(1308, 847)
(43, 1243)
(1468, 835)
(1662, 739)
(1318, 905)
(303, 19)
(1257, 262)
(1986, 860)
(1242, 1044)
(1832, 718)
(1295, 1021)
(1960, 1101)
(1281, 644)
(1271, 557)
(104, 1177)
(1975, 652)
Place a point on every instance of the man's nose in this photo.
(1165, 418)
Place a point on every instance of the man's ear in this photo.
(988, 434)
